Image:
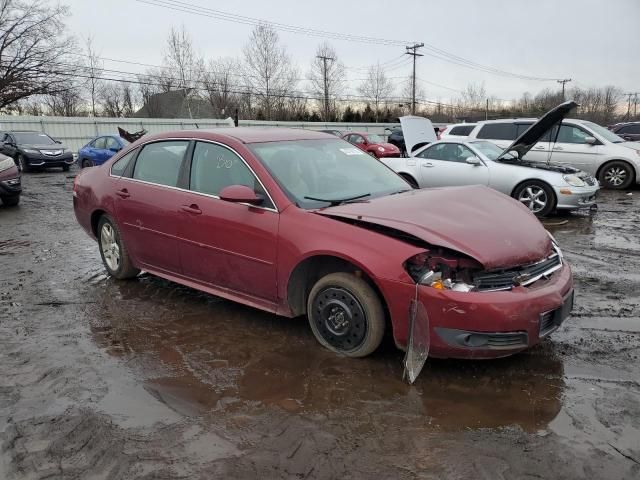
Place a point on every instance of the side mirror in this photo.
(115, 149)
(590, 140)
(475, 161)
(240, 194)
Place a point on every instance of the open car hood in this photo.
(535, 132)
(417, 131)
(477, 221)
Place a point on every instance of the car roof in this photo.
(253, 134)
(355, 132)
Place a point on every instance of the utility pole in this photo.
(412, 50)
(486, 111)
(635, 104)
(566, 80)
(326, 85)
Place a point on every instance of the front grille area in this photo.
(506, 279)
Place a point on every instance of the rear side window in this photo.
(498, 131)
(461, 130)
(160, 162)
(120, 165)
(633, 129)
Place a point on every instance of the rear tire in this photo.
(346, 315)
(10, 201)
(537, 196)
(86, 163)
(616, 175)
(114, 254)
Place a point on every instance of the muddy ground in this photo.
(101, 379)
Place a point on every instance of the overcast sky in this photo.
(594, 42)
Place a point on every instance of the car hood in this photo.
(477, 221)
(417, 131)
(56, 146)
(535, 132)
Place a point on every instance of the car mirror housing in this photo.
(240, 194)
(115, 149)
(475, 161)
(590, 140)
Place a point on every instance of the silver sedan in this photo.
(542, 187)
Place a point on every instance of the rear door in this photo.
(444, 164)
(225, 244)
(148, 205)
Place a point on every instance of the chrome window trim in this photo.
(142, 145)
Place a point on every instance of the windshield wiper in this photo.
(401, 191)
(338, 201)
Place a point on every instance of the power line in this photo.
(434, 51)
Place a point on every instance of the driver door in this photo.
(224, 244)
(445, 164)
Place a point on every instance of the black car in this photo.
(629, 131)
(35, 150)
(397, 138)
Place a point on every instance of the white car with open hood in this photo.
(542, 187)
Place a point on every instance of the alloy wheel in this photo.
(534, 197)
(615, 176)
(110, 247)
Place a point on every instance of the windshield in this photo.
(373, 138)
(330, 170)
(33, 138)
(490, 150)
(603, 132)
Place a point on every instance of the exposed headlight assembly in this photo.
(574, 180)
(31, 150)
(380, 149)
(442, 271)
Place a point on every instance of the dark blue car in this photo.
(99, 150)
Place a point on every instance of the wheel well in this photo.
(95, 218)
(409, 178)
(553, 192)
(305, 275)
(633, 170)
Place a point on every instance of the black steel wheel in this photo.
(346, 315)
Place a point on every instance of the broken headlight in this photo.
(442, 271)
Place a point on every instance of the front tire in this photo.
(537, 196)
(113, 251)
(86, 163)
(616, 175)
(346, 315)
(23, 165)
(10, 201)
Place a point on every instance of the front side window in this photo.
(99, 143)
(571, 134)
(215, 167)
(160, 162)
(498, 131)
(603, 132)
(120, 165)
(317, 173)
(448, 152)
(359, 139)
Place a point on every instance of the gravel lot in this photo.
(147, 379)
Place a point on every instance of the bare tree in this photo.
(116, 99)
(32, 46)
(220, 84)
(406, 94)
(181, 60)
(65, 103)
(269, 74)
(376, 88)
(92, 67)
(327, 80)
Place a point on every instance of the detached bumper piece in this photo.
(483, 340)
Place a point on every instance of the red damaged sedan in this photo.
(301, 223)
(372, 144)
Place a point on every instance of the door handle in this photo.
(123, 193)
(193, 208)
(558, 148)
(428, 164)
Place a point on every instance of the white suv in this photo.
(579, 143)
